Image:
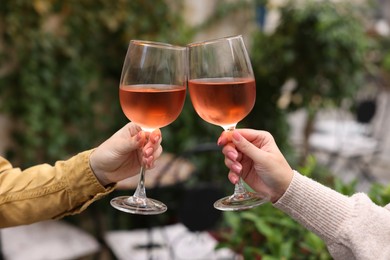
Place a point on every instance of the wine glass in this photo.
(152, 92)
(223, 92)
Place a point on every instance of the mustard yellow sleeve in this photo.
(47, 192)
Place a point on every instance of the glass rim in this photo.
(193, 44)
(157, 44)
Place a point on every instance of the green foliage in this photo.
(316, 57)
(318, 46)
(322, 46)
(60, 67)
(268, 233)
(380, 194)
(266, 114)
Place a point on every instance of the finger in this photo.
(153, 144)
(158, 151)
(132, 129)
(125, 140)
(148, 151)
(239, 156)
(233, 165)
(149, 160)
(230, 152)
(155, 137)
(224, 138)
(233, 178)
(247, 148)
(142, 138)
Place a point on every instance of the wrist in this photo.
(100, 176)
(283, 186)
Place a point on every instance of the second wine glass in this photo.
(152, 92)
(223, 92)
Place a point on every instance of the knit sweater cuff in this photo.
(317, 207)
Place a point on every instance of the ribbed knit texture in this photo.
(352, 227)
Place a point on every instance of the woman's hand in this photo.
(254, 155)
(122, 155)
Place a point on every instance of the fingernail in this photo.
(149, 151)
(235, 179)
(219, 141)
(147, 163)
(237, 168)
(232, 155)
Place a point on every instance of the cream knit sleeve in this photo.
(352, 227)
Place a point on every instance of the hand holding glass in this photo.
(223, 92)
(152, 92)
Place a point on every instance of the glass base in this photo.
(141, 206)
(241, 201)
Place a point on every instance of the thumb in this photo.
(247, 148)
(128, 142)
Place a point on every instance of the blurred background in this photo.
(322, 71)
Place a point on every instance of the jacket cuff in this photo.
(84, 187)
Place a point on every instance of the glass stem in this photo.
(239, 188)
(140, 192)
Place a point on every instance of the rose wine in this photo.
(152, 106)
(223, 101)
